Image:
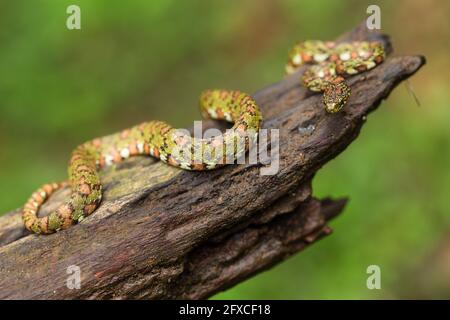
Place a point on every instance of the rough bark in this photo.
(165, 233)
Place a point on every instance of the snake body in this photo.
(330, 64)
(155, 138)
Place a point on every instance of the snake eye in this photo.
(335, 96)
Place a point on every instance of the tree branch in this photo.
(165, 233)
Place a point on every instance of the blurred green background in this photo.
(142, 60)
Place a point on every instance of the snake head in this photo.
(335, 96)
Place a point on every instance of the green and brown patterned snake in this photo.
(330, 64)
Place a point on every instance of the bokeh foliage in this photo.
(140, 60)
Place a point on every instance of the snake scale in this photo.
(330, 64)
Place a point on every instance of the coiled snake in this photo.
(331, 62)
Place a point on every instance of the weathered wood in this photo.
(165, 233)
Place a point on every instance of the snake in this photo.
(329, 63)
(158, 139)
